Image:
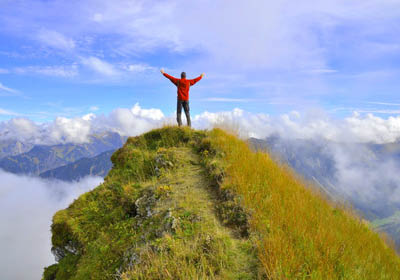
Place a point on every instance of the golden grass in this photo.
(303, 235)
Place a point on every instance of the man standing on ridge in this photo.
(183, 86)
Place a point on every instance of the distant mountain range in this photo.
(13, 147)
(42, 158)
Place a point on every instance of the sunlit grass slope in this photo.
(154, 217)
(302, 236)
(186, 204)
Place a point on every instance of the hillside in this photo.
(327, 163)
(186, 204)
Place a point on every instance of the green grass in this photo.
(154, 217)
(186, 204)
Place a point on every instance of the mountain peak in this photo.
(186, 204)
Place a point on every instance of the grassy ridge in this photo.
(302, 236)
(186, 204)
(152, 218)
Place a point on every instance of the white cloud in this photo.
(61, 130)
(100, 66)
(7, 112)
(153, 114)
(21, 129)
(89, 117)
(25, 127)
(8, 90)
(98, 17)
(66, 71)
(131, 122)
(359, 128)
(379, 111)
(322, 71)
(384, 103)
(27, 205)
(225, 99)
(280, 36)
(55, 39)
(246, 124)
(139, 68)
(315, 125)
(74, 130)
(374, 129)
(359, 175)
(286, 43)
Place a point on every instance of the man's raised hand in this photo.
(162, 71)
(202, 75)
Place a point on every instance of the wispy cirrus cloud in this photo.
(7, 112)
(227, 99)
(65, 71)
(379, 111)
(139, 68)
(383, 103)
(55, 39)
(142, 27)
(100, 66)
(8, 91)
(321, 71)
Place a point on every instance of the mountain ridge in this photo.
(98, 165)
(144, 222)
(41, 158)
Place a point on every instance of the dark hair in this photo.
(183, 75)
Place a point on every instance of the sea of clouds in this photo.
(357, 128)
(27, 205)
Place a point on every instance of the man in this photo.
(183, 86)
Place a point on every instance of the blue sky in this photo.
(71, 58)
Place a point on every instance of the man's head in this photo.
(183, 75)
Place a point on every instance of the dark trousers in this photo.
(185, 105)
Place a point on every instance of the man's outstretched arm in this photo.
(193, 81)
(172, 79)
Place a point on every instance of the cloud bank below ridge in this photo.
(359, 128)
(27, 205)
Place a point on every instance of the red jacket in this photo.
(183, 86)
